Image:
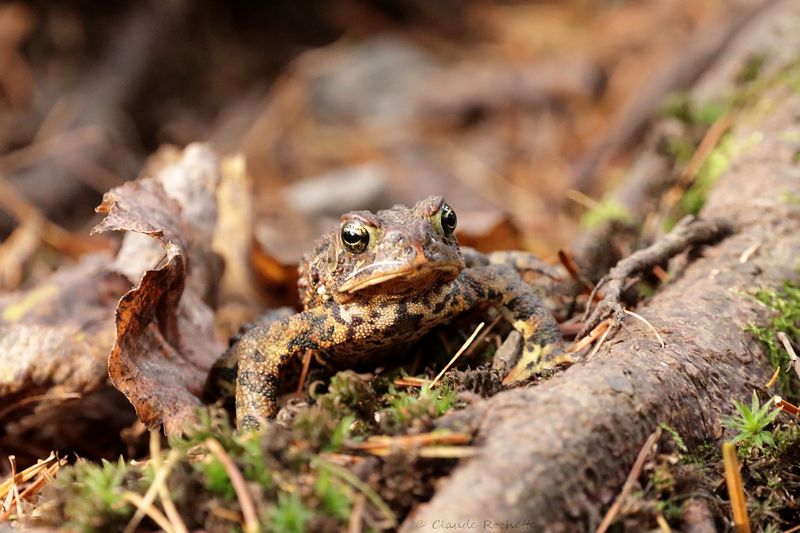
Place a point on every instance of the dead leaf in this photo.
(165, 341)
(56, 336)
(16, 251)
(487, 230)
(237, 301)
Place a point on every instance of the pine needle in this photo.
(458, 353)
(239, 485)
(733, 478)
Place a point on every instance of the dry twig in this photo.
(5, 411)
(147, 507)
(773, 379)
(569, 264)
(51, 233)
(745, 257)
(592, 336)
(44, 477)
(303, 373)
(477, 342)
(709, 141)
(648, 324)
(690, 231)
(356, 515)
(26, 475)
(163, 492)
(733, 478)
(633, 475)
(663, 525)
(600, 342)
(147, 501)
(458, 354)
(410, 381)
(660, 273)
(785, 406)
(787, 345)
(14, 488)
(382, 445)
(239, 485)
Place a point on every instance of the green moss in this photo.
(676, 438)
(289, 515)
(670, 480)
(785, 304)
(280, 464)
(335, 498)
(244, 449)
(349, 394)
(606, 211)
(215, 479)
(702, 455)
(712, 168)
(680, 148)
(752, 69)
(748, 99)
(92, 495)
(405, 407)
(751, 423)
(671, 509)
(681, 107)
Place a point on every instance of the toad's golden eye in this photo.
(355, 237)
(448, 219)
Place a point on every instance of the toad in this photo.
(381, 280)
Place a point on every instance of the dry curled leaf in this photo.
(56, 336)
(165, 337)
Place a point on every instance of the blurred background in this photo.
(570, 128)
(522, 113)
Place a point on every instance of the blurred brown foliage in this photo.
(309, 110)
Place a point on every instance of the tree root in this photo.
(690, 231)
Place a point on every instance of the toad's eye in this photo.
(447, 219)
(355, 237)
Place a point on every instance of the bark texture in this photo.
(553, 456)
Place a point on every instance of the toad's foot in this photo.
(542, 344)
(543, 360)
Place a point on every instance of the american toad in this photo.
(380, 280)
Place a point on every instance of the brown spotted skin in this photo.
(361, 303)
(521, 261)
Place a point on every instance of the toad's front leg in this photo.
(522, 307)
(263, 352)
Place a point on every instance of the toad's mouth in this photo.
(378, 273)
